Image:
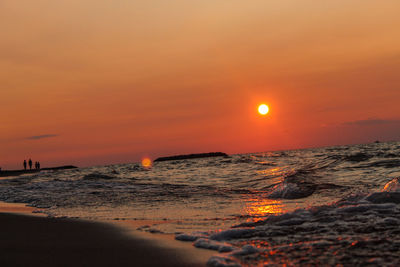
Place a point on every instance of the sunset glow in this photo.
(89, 87)
(244, 127)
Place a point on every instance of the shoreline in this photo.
(33, 239)
(20, 208)
(7, 173)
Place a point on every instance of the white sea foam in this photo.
(221, 261)
(213, 245)
(188, 237)
(245, 250)
(230, 234)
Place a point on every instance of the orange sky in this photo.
(96, 82)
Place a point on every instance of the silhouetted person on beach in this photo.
(30, 164)
(24, 164)
(38, 165)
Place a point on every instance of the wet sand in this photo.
(19, 208)
(41, 241)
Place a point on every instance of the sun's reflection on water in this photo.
(259, 208)
(274, 175)
(276, 171)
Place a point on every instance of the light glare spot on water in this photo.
(146, 163)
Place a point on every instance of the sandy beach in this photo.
(28, 240)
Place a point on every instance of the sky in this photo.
(101, 82)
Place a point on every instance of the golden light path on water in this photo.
(263, 207)
(259, 207)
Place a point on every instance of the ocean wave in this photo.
(358, 157)
(303, 182)
(292, 191)
(392, 186)
(389, 194)
(392, 163)
(97, 176)
(356, 230)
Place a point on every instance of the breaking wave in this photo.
(356, 230)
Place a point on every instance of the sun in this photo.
(263, 109)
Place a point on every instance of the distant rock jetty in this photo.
(20, 172)
(192, 156)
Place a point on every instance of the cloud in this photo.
(37, 137)
(371, 122)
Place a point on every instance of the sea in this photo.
(320, 206)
